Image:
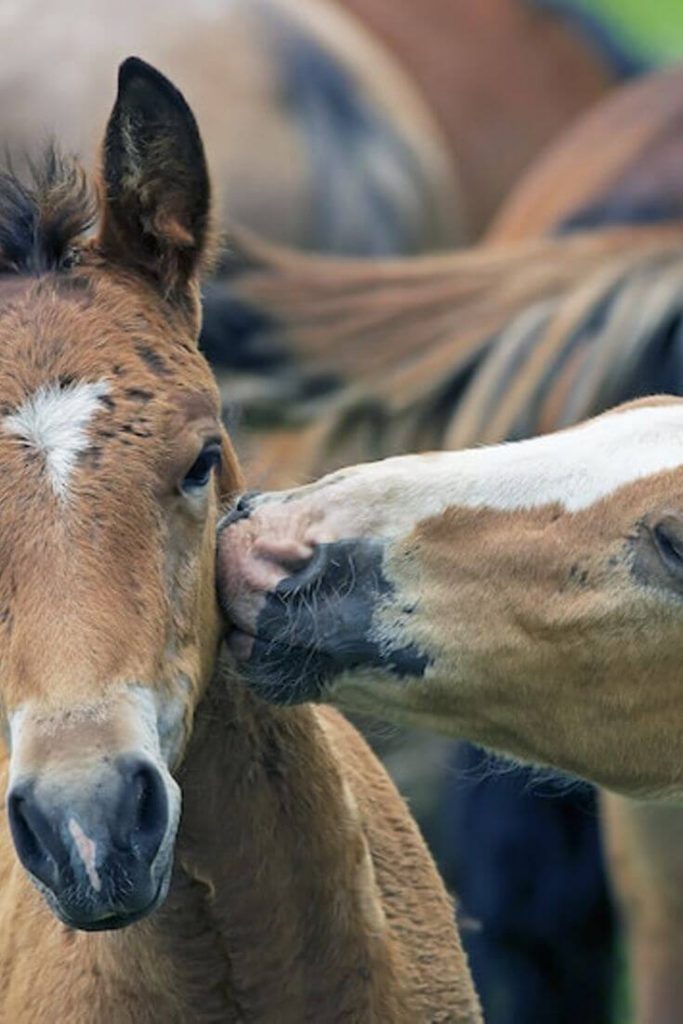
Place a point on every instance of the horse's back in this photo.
(503, 76)
(633, 174)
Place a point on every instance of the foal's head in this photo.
(113, 464)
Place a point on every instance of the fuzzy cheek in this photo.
(173, 721)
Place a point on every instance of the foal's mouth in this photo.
(321, 621)
(117, 906)
(114, 920)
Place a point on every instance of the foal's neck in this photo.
(271, 836)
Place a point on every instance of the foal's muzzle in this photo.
(97, 845)
(322, 620)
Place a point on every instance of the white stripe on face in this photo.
(87, 851)
(53, 420)
(574, 468)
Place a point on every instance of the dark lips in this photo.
(115, 921)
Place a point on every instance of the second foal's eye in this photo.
(200, 471)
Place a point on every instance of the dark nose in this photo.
(93, 845)
(320, 621)
(317, 622)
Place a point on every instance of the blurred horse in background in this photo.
(315, 136)
(635, 141)
(309, 329)
(504, 341)
(504, 78)
(365, 127)
(305, 329)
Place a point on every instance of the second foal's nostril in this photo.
(241, 510)
(304, 571)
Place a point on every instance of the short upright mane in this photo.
(44, 210)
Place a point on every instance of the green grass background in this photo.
(654, 26)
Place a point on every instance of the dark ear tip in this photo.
(136, 72)
(134, 67)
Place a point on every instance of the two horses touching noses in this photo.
(295, 886)
(526, 596)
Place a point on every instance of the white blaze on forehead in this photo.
(54, 421)
(87, 850)
(574, 468)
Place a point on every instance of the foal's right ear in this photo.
(156, 210)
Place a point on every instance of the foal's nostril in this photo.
(242, 510)
(37, 845)
(245, 500)
(304, 572)
(143, 813)
(94, 846)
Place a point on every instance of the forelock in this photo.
(44, 211)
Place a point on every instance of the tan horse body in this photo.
(635, 137)
(504, 79)
(301, 889)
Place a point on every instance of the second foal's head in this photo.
(113, 464)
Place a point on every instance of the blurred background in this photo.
(656, 29)
(384, 131)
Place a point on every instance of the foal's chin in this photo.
(121, 912)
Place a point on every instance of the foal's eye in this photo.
(200, 471)
(668, 537)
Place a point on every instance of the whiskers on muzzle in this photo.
(322, 620)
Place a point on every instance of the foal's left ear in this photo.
(156, 210)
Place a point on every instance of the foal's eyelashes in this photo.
(201, 470)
